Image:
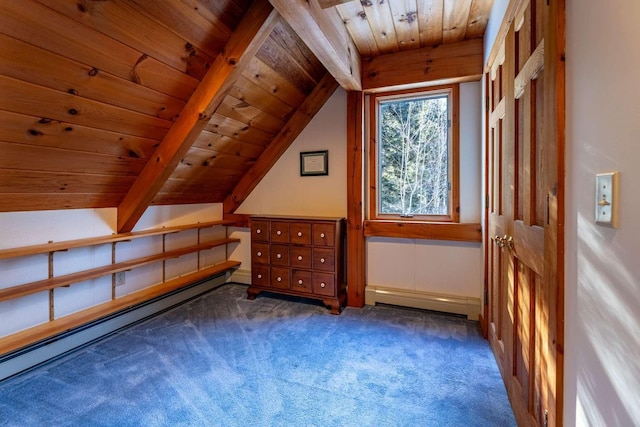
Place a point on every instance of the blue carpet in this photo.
(222, 360)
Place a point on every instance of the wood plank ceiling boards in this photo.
(241, 47)
(193, 93)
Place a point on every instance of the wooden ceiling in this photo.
(379, 27)
(129, 103)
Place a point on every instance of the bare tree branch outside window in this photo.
(413, 156)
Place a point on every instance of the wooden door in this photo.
(523, 245)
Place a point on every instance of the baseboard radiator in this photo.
(467, 306)
(38, 353)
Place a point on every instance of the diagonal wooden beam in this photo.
(244, 43)
(298, 121)
(326, 35)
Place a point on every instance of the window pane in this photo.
(413, 158)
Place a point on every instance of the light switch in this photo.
(607, 199)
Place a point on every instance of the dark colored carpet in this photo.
(222, 360)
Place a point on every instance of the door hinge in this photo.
(486, 297)
(486, 201)
(548, 209)
(486, 104)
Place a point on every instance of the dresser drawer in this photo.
(279, 255)
(301, 256)
(324, 234)
(324, 259)
(280, 277)
(324, 284)
(260, 253)
(279, 232)
(259, 231)
(301, 280)
(260, 275)
(300, 233)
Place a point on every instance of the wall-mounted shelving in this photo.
(58, 325)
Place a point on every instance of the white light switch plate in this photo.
(606, 202)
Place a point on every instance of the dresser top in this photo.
(297, 218)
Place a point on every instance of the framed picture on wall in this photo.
(314, 163)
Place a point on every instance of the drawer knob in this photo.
(300, 282)
(322, 260)
(322, 235)
(299, 257)
(279, 233)
(279, 279)
(259, 276)
(323, 285)
(258, 231)
(299, 233)
(278, 256)
(259, 253)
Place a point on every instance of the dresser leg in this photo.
(252, 293)
(334, 304)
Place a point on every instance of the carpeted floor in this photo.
(222, 360)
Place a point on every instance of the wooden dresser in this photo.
(300, 256)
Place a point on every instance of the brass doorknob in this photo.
(505, 241)
(509, 242)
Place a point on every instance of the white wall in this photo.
(453, 268)
(417, 265)
(30, 228)
(284, 192)
(602, 309)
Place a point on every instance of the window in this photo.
(414, 155)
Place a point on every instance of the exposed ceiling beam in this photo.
(326, 35)
(445, 63)
(330, 3)
(243, 44)
(298, 121)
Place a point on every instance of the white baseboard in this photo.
(241, 276)
(468, 306)
(36, 354)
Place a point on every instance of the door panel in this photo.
(524, 200)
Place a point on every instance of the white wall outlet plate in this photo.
(606, 202)
(120, 278)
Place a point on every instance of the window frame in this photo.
(453, 91)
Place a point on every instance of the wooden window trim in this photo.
(454, 217)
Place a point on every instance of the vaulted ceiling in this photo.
(131, 103)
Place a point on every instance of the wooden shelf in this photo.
(47, 330)
(81, 276)
(92, 241)
(55, 326)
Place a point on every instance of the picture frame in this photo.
(314, 163)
